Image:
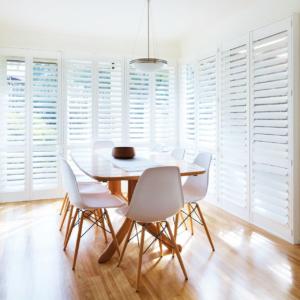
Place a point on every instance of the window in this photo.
(79, 103)
(165, 110)
(189, 111)
(110, 101)
(271, 125)
(255, 117)
(139, 107)
(29, 128)
(234, 127)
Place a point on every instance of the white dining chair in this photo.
(83, 180)
(157, 196)
(88, 185)
(85, 206)
(178, 153)
(194, 190)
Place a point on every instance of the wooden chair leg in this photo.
(176, 226)
(205, 227)
(64, 216)
(126, 242)
(69, 222)
(176, 250)
(182, 220)
(63, 204)
(175, 230)
(112, 231)
(78, 240)
(190, 218)
(159, 240)
(140, 260)
(71, 228)
(102, 224)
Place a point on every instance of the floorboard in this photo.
(248, 263)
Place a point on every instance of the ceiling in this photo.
(172, 19)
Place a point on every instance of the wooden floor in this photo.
(247, 264)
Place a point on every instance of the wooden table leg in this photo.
(115, 188)
(109, 251)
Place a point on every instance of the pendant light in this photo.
(148, 64)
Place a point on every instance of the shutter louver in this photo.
(270, 126)
(79, 98)
(110, 83)
(44, 125)
(13, 125)
(207, 113)
(234, 154)
(165, 107)
(139, 107)
(188, 94)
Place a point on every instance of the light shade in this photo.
(148, 64)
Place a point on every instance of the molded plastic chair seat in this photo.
(104, 200)
(92, 188)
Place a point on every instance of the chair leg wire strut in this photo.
(96, 218)
(196, 211)
(162, 228)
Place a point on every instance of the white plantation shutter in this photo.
(271, 91)
(79, 102)
(207, 114)
(164, 127)
(45, 138)
(13, 126)
(110, 95)
(139, 106)
(189, 118)
(234, 153)
(29, 128)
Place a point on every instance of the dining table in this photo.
(103, 167)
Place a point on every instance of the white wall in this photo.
(82, 44)
(258, 13)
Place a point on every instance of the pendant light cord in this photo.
(148, 1)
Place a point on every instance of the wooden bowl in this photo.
(123, 152)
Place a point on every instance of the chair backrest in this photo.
(103, 145)
(70, 184)
(157, 195)
(199, 184)
(178, 153)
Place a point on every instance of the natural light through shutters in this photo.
(165, 107)
(44, 124)
(270, 136)
(234, 126)
(139, 106)
(13, 125)
(79, 106)
(188, 94)
(207, 119)
(110, 93)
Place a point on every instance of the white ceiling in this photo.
(172, 19)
